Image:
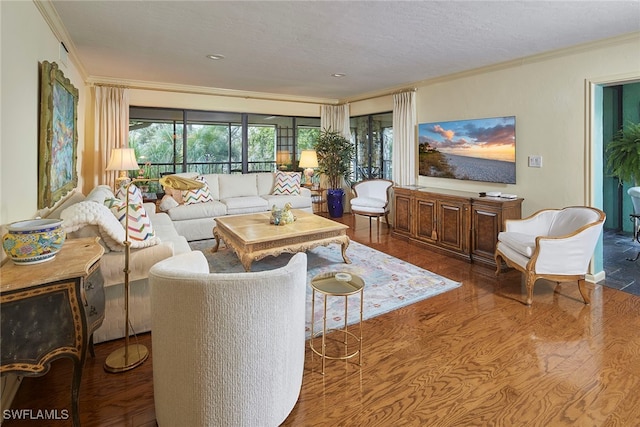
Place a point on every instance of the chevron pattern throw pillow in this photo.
(140, 227)
(287, 184)
(199, 195)
(135, 195)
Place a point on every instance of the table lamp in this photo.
(123, 160)
(283, 158)
(129, 357)
(309, 161)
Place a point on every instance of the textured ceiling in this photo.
(292, 47)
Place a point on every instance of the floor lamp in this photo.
(131, 356)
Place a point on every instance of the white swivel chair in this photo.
(228, 349)
(554, 244)
(372, 200)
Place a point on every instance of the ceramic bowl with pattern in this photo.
(33, 241)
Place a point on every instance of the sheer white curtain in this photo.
(111, 129)
(336, 118)
(404, 138)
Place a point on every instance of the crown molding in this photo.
(545, 56)
(51, 17)
(203, 90)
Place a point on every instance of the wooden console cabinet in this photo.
(50, 310)
(453, 222)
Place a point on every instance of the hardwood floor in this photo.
(473, 356)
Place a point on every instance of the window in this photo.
(213, 143)
(171, 140)
(373, 136)
(156, 136)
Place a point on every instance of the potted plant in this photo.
(335, 154)
(623, 154)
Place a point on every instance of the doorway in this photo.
(620, 105)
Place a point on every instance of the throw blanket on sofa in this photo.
(112, 232)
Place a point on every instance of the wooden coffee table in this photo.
(253, 238)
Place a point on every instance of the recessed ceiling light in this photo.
(215, 56)
(338, 75)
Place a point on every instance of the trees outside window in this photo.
(209, 142)
(173, 140)
(373, 137)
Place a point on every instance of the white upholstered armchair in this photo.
(372, 200)
(554, 244)
(228, 349)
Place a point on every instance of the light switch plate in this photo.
(535, 161)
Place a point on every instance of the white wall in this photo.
(548, 97)
(151, 98)
(26, 40)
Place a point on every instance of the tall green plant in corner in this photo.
(623, 154)
(335, 154)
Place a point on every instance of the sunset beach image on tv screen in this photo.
(475, 150)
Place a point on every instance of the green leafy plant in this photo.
(623, 154)
(335, 154)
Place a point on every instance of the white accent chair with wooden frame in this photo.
(372, 200)
(552, 244)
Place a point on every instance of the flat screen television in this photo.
(475, 150)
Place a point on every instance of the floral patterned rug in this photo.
(390, 283)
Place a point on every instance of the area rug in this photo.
(390, 283)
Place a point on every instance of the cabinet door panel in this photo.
(486, 227)
(426, 219)
(402, 220)
(451, 225)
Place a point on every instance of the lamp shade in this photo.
(283, 157)
(122, 159)
(308, 159)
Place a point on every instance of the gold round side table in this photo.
(336, 284)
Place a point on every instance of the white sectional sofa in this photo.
(232, 194)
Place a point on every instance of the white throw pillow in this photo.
(167, 203)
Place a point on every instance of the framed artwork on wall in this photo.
(476, 150)
(58, 133)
